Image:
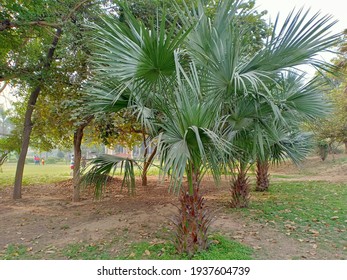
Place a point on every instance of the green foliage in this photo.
(60, 154)
(323, 149)
(333, 128)
(30, 26)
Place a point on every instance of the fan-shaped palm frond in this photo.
(190, 135)
(106, 96)
(216, 45)
(135, 54)
(297, 98)
(101, 169)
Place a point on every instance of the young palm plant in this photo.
(190, 143)
(296, 101)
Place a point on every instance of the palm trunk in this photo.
(240, 188)
(262, 175)
(28, 125)
(193, 219)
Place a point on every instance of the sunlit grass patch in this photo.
(35, 174)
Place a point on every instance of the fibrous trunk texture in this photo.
(192, 223)
(240, 190)
(263, 176)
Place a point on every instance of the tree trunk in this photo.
(77, 142)
(193, 219)
(146, 166)
(144, 172)
(240, 189)
(3, 158)
(345, 147)
(263, 177)
(28, 125)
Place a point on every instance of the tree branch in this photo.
(76, 8)
(7, 24)
(2, 88)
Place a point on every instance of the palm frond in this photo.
(296, 42)
(133, 53)
(101, 169)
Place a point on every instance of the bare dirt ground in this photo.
(46, 219)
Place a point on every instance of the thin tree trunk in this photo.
(2, 88)
(28, 125)
(3, 158)
(263, 177)
(146, 166)
(144, 172)
(77, 142)
(345, 147)
(78, 135)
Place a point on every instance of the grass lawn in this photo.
(313, 212)
(220, 248)
(35, 174)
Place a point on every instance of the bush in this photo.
(60, 154)
(53, 160)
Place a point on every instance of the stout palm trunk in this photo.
(240, 188)
(262, 175)
(193, 218)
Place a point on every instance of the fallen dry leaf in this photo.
(147, 253)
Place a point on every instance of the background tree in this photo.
(40, 38)
(332, 129)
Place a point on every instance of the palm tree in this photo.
(193, 81)
(297, 100)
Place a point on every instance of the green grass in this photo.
(15, 252)
(35, 174)
(220, 248)
(314, 212)
(83, 251)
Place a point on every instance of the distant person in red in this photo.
(72, 163)
(43, 161)
(37, 160)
